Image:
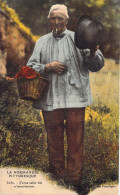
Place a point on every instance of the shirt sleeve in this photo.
(95, 63)
(34, 61)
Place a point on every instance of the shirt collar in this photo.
(59, 36)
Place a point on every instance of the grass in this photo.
(102, 126)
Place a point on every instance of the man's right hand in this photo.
(56, 67)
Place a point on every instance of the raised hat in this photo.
(89, 33)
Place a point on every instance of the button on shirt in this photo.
(71, 89)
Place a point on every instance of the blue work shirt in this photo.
(72, 89)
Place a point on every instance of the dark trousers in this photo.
(55, 122)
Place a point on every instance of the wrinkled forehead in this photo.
(58, 12)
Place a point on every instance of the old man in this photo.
(57, 58)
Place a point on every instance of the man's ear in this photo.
(67, 20)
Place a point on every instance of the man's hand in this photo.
(56, 67)
(93, 50)
(10, 79)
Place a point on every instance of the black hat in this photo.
(89, 33)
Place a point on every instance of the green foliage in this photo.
(23, 139)
(101, 152)
(97, 3)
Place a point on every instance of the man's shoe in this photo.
(76, 186)
(81, 190)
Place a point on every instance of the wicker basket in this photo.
(32, 89)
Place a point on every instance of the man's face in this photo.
(58, 20)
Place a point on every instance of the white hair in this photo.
(58, 6)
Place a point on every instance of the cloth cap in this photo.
(58, 6)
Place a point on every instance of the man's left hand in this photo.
(10, 79)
